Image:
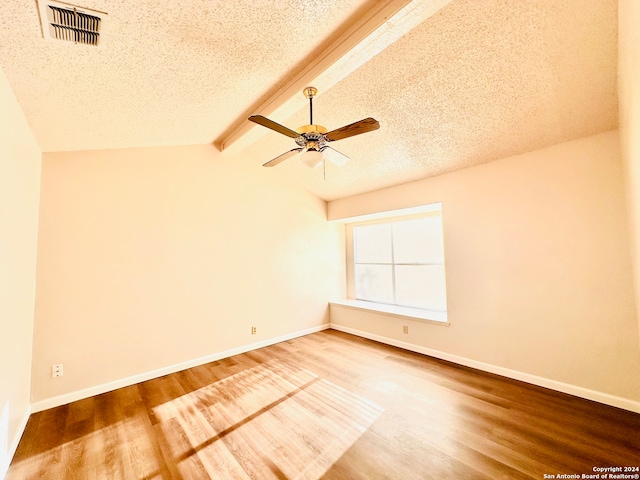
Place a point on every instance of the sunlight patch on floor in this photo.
(270, 421)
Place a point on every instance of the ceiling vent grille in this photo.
(61, 21)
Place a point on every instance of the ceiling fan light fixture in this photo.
(311, 158)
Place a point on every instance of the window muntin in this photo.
(400, 262)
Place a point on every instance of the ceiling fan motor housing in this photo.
(315, 137)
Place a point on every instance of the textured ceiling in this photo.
(477, 81)
(169, 73)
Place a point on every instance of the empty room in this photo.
(304, 239)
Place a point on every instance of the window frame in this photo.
(437, 316)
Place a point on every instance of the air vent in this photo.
(61, 21)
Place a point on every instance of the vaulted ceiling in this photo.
(453, 83)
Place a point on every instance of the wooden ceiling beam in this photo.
(352, 45)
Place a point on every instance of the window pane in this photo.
(374, 283)
(372, 243)
(418, 241)
(421, 286)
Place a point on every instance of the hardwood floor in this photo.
(327, 405)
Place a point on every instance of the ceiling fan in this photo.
(312, 139)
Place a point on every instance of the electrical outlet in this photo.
(254, 330)
(57, 370)
(405, 329)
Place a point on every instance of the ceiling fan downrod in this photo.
(310, 92)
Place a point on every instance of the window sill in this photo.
(429, 316)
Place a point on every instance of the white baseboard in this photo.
(142, 377)
(575, 390)
(605, 398)
(13, 446)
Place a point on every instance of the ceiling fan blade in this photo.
(283, 157)
(265, 122)
(337, 158)
(363, 126)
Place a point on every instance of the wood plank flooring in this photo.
(328, 405)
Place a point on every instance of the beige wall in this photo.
(152, 257)
(20, 161)
(629, 93)
(538, 267)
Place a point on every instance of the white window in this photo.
(400, 262)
